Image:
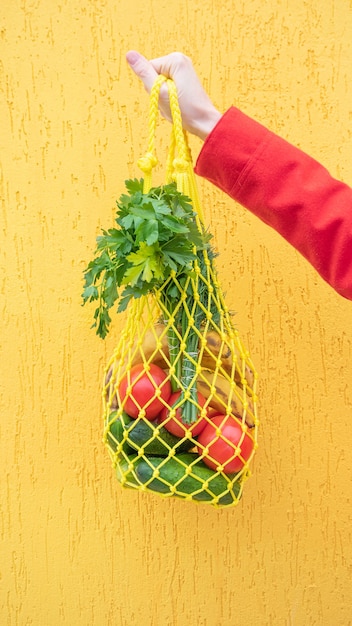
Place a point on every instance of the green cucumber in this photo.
(155, 439)
(114, 435)
(125, 470)
(170, 476)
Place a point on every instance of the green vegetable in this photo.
(162, 475)
(157, 235)
(115, 436)
(126, 470)
(155, 439)
(194, 308)
(157, 248)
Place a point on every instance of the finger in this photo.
(164, 65)
(142, 68)
(173, 65)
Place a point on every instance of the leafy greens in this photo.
(156, 238)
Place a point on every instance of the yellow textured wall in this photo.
(75, 548)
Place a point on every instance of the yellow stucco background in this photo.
(75, 548)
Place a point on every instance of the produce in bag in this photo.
(179, 392)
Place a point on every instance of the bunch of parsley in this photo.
(156, 237)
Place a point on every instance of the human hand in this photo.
(199, 115)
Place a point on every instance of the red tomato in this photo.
(176, 425)
(141, 389)
(231, 439)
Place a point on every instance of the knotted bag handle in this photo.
(179, 166)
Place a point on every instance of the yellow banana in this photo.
(223, 392)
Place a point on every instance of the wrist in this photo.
(206, 122)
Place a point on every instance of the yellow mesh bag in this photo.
(179, 392)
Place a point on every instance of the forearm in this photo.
(285, 188)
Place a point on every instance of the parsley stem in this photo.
(189, 408)
(188, 377)
(174, 356)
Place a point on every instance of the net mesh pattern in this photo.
(180, 389)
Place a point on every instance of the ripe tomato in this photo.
(228, 443)
(176, 425)
(141, 389)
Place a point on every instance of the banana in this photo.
(219, 389)
(216, 348)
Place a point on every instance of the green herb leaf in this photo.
(179, 251)
(174, 224)
(156, 233)
(146, 264)
(133, 186)
(148, 232)
(90, 293)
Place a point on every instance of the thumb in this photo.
(142, 68)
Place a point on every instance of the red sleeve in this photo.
(285, 188)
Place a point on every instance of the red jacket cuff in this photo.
(218, 162)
